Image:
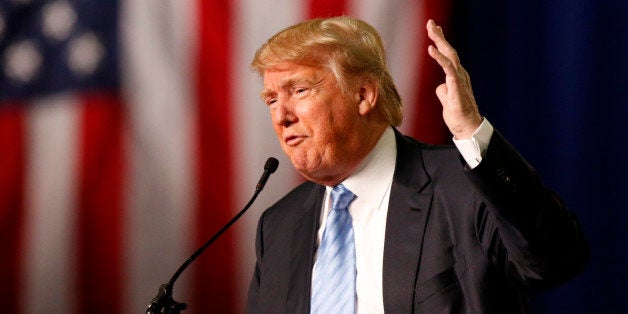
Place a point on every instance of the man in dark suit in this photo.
(434, 229)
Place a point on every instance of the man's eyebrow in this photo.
(266, 93)
(286, 83)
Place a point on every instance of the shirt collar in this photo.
(373, 176)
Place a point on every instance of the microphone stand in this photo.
(163, 303)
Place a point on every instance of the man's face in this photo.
(317, 125)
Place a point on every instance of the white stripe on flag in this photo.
(158, 47)
(255, 139)
(398, 23)
(50, 224)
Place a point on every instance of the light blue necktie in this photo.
(333, 282)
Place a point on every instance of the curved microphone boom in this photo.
(164, 303)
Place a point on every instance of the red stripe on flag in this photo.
(327, 8)
(213, 281)
(100, 206)
(429, 125)
(12, 154)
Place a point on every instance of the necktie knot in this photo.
(341, 197)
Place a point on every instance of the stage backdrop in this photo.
(553, 76)
(131, 131)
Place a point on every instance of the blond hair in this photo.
(350, 48)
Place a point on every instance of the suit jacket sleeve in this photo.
(536, 240)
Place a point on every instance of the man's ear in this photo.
(367, 97)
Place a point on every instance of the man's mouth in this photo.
(293, 140)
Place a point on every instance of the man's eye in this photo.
(271, 101)
(300, 90)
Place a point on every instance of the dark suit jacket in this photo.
(457, 240)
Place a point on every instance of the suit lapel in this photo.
(302, 250)
(410, 200)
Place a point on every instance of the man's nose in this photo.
(283, 114)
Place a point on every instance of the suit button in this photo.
(506, 178)
(501, 173)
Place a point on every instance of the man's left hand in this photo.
(460, 111)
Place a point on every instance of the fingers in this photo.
(441, 93)
(447, 64)
(435, 33)
(444, 54)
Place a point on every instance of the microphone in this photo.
(269, 168)
(163, 303)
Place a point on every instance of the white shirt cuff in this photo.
(474, 148)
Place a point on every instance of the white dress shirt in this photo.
(371, 184)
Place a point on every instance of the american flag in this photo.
(131, 131)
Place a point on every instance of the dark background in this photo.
(551, 76)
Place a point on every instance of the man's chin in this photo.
(313, 171)
(306, 171)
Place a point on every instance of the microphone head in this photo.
(271, 164)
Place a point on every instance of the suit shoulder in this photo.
(433, 154)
